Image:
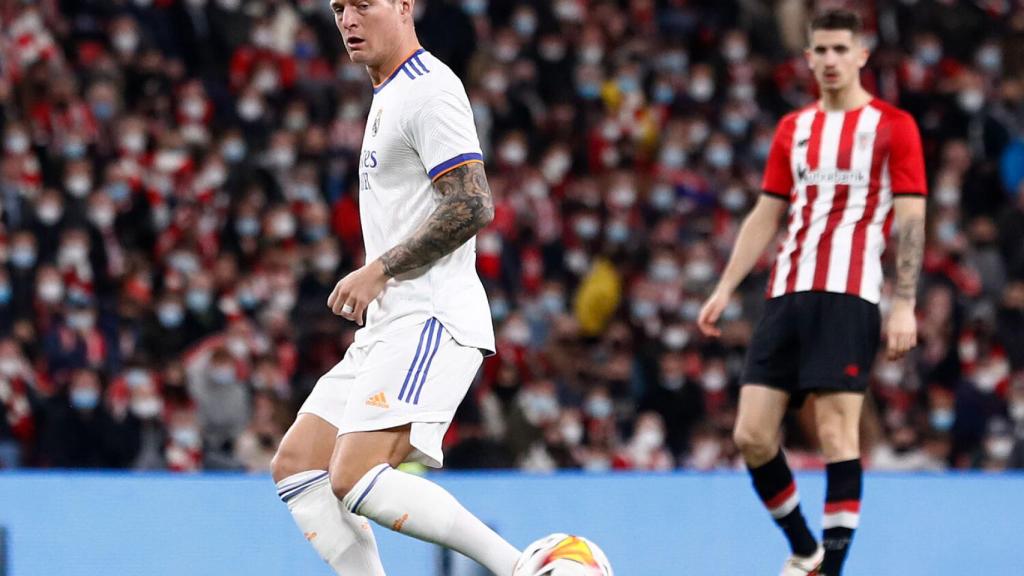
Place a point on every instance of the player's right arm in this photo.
(758, 229)
(757, 232)
(465, 207)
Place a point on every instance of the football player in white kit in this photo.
(426, 325)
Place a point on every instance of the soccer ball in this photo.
(563, 555)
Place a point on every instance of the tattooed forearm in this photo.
(466, 206)
(909, 256)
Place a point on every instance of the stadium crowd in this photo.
(178, 197)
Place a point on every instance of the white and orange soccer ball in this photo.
(563, 555)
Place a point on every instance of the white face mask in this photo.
(102, 217)
(675, 338)
(664, 271)
(705, 454)
(577, 261)
(283, 226)
(146, 408)
(126, 42)
(591, 54)
(987, 379)
(623, 196)
(9, 367)
(1017, 411)
(971, 100)
(700, 271)
(134, 142)
(702, 89)
(194, 108)
(49, 213)
(599, 407)
(572, 433)
(16, 143)
(81, 320)
(284, 300)
(73, 253)
(169, 160)
(536, 189)
(250, 109)
(78, 185)
(187, 438)
(999, 447)
(326, 262)
(555, 167)
(51, 292)
(735, 51)
(713, 381)
(947, 196)
(513, 154)
(649, 439)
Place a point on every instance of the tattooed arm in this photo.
(466, 206)
(901, 331)
(910, 223)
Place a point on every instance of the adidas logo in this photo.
(378, 400)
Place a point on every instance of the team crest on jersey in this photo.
(865, 139)
(376, 123)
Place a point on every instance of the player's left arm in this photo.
(465, 207)
(906, 165)
(901, 332)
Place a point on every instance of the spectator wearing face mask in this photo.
(646, 448)
(80, 432)
(22, 259)
(256, 446)
(75, 342)
(18, 427)
(164, 332)
(222, 403)
(147, 411)
(202, 311)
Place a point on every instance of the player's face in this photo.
(836, 57)
(369, 28)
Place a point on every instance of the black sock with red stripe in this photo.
(842, 513)
(775, 486)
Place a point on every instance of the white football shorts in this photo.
(417, 375)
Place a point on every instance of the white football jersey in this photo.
(419, 128)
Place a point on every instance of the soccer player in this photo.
(426, 324)
(844, 168)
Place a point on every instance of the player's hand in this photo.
(901, 330)
(353, 293)
(711, 311)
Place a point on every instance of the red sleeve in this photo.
(906, 161)
(778, 176)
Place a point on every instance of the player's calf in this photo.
(362, 475)
(775, 486)
(299, 468)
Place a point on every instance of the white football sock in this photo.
(416, 506)
(345, 541)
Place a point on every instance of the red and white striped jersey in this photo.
(840, 171)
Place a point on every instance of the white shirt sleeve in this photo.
(442, 131)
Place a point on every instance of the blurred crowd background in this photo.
(178, 197)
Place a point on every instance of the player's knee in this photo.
(283, 464)
(837, 442)
(753, 442)
(344, 479)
